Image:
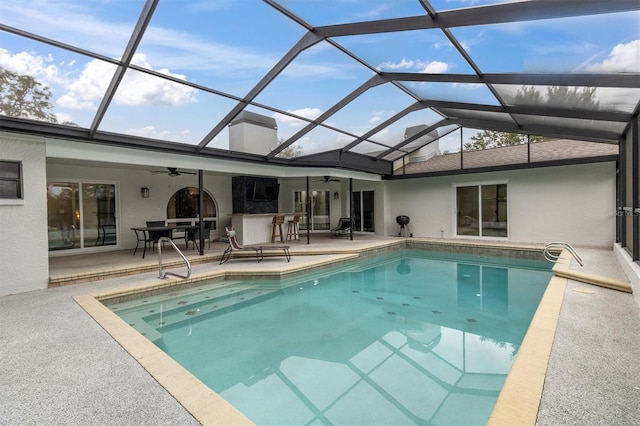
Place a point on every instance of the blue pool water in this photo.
(407, 338)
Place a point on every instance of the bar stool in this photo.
(276, 225)
(292, 228)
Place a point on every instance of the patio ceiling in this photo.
(342, 79)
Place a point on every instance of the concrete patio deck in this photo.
(60, 367)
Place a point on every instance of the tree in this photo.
(24, 97)
(290, 151)
(493, 139)
(556, 97)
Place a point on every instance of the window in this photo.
(11, 180)
(184, 204)
(481, 210)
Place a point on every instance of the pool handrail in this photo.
(558, 245)
(163, 276)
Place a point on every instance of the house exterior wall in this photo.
(24, 263)
(133, 210)
(574, 203)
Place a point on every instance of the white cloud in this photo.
(141, 89)
(375, 119)
(153, 133)
(310, 113)
(622, 58)
(437, 67)
(27, 63)
(64, 118)
(84, 91)
(148, 132)
(402, 65)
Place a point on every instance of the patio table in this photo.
(144, 232)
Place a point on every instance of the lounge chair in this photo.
(234, 246)
(343, 228)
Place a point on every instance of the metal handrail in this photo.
(161, 276)
(551, 257)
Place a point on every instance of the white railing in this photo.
(552, 252)
(163, 276)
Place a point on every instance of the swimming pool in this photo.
(406, 338)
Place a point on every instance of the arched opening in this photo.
(183, 207)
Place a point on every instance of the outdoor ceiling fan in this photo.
(327, 179)
(173, 171)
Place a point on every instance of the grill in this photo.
(403, 220)
(403, 226)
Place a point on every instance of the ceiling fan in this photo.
(327, 179)
(173, 171)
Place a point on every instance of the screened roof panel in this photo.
(572, 97)
(322, 139)
(396, 132)
(99, 26)
(563, 45)
(328, 73)
(369, 148)
(394, 155)
(418, 51)
(563, 123)
(477, 115)
(371, 108)
(322, 12)
(215, 43)
(76, 83)
(146, 105)
(316, 79)
(474, 93)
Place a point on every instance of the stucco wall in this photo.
(24, 263)
(575, 204)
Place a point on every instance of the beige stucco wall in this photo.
(24, 263)
(574, 203)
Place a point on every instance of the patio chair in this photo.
(234, 246)
(177, 234)
(154, 236)
(194, 234)
(343, 228)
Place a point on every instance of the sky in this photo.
(230, 45)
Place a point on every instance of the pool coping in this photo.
(517, 403)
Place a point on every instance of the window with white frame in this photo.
(481, 210)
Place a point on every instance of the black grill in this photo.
(403, 226)
(402, 220)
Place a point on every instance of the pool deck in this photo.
(59, 366)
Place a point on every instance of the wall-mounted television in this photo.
(265, 191)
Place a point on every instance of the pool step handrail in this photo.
(557, 245)
(163, 276)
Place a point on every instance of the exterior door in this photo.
(363, 208)
(81, 215)
(320, 209)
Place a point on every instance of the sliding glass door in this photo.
(481, 210)
(363, 211)
(81, 215)
(320, 209)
